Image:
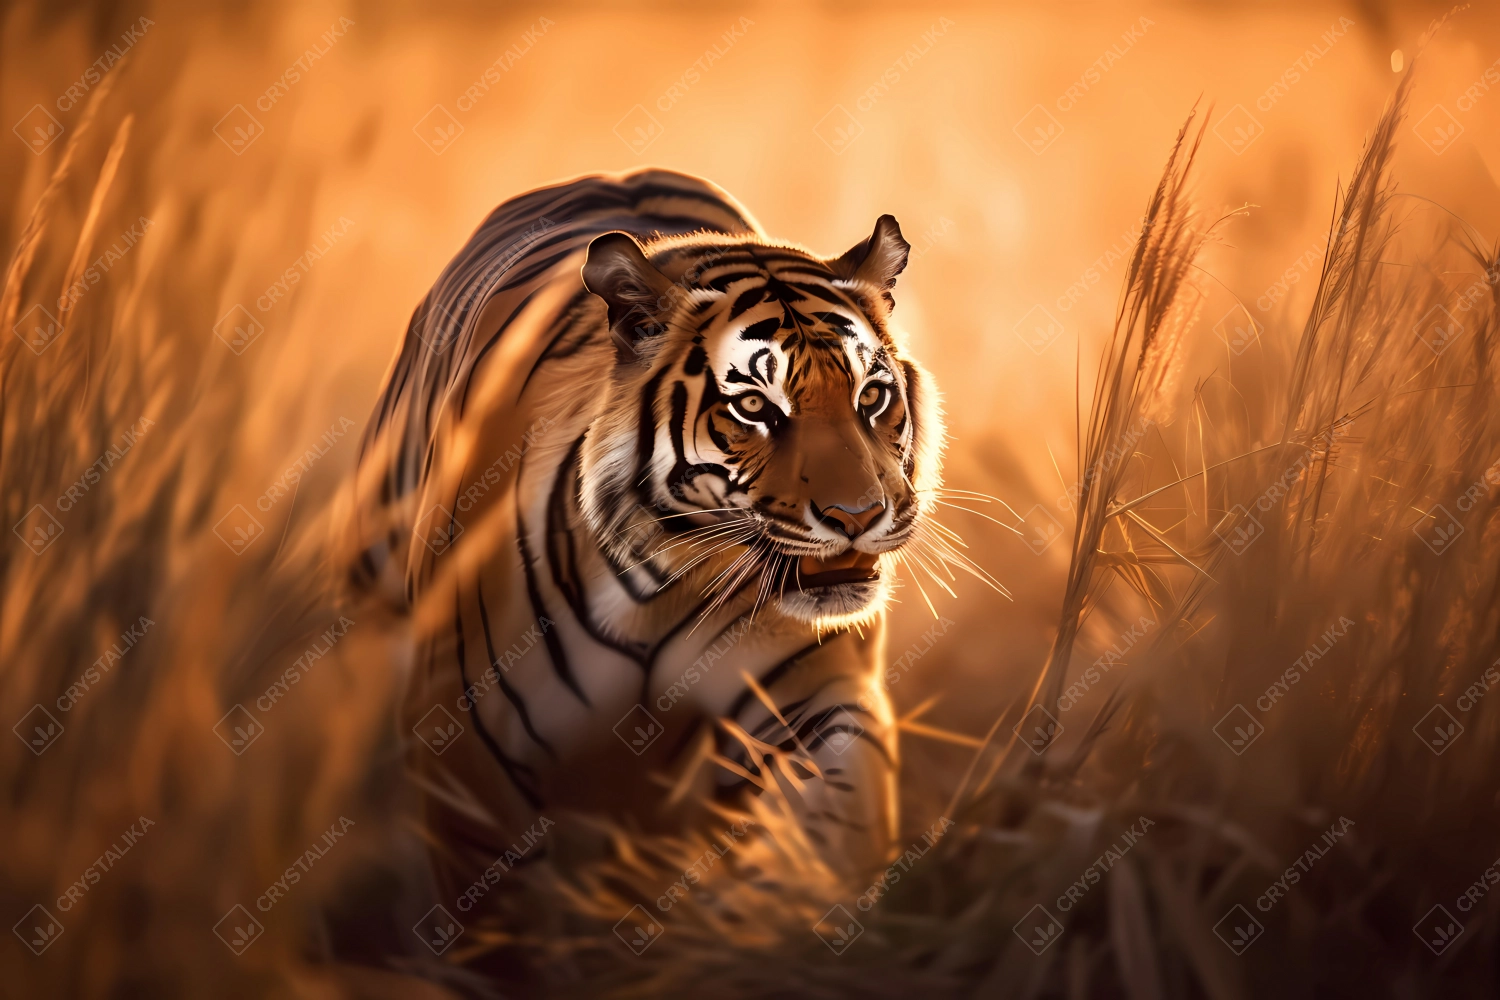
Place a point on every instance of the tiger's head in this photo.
(760, 419)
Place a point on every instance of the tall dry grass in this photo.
(1339, 435)
(1339, 454)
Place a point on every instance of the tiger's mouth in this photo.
(848, 567)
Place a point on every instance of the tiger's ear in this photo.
(637, 294)
(876, 260)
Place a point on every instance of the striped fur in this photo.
(598, 532)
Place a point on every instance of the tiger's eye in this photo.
(870, 396)
(752, 403)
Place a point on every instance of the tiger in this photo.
(642, 476)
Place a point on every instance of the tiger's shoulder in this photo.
(478, 365)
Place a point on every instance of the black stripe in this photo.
(510, 693)
(645, 441)
(555, 651)
(767, 679)
(564, 564)
(746, 300)
(463, 399)
(514, 770)
(763, 330)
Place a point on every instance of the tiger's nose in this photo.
(853, 522)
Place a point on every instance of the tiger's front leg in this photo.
(836, 712)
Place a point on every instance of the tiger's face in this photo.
(761, 417)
